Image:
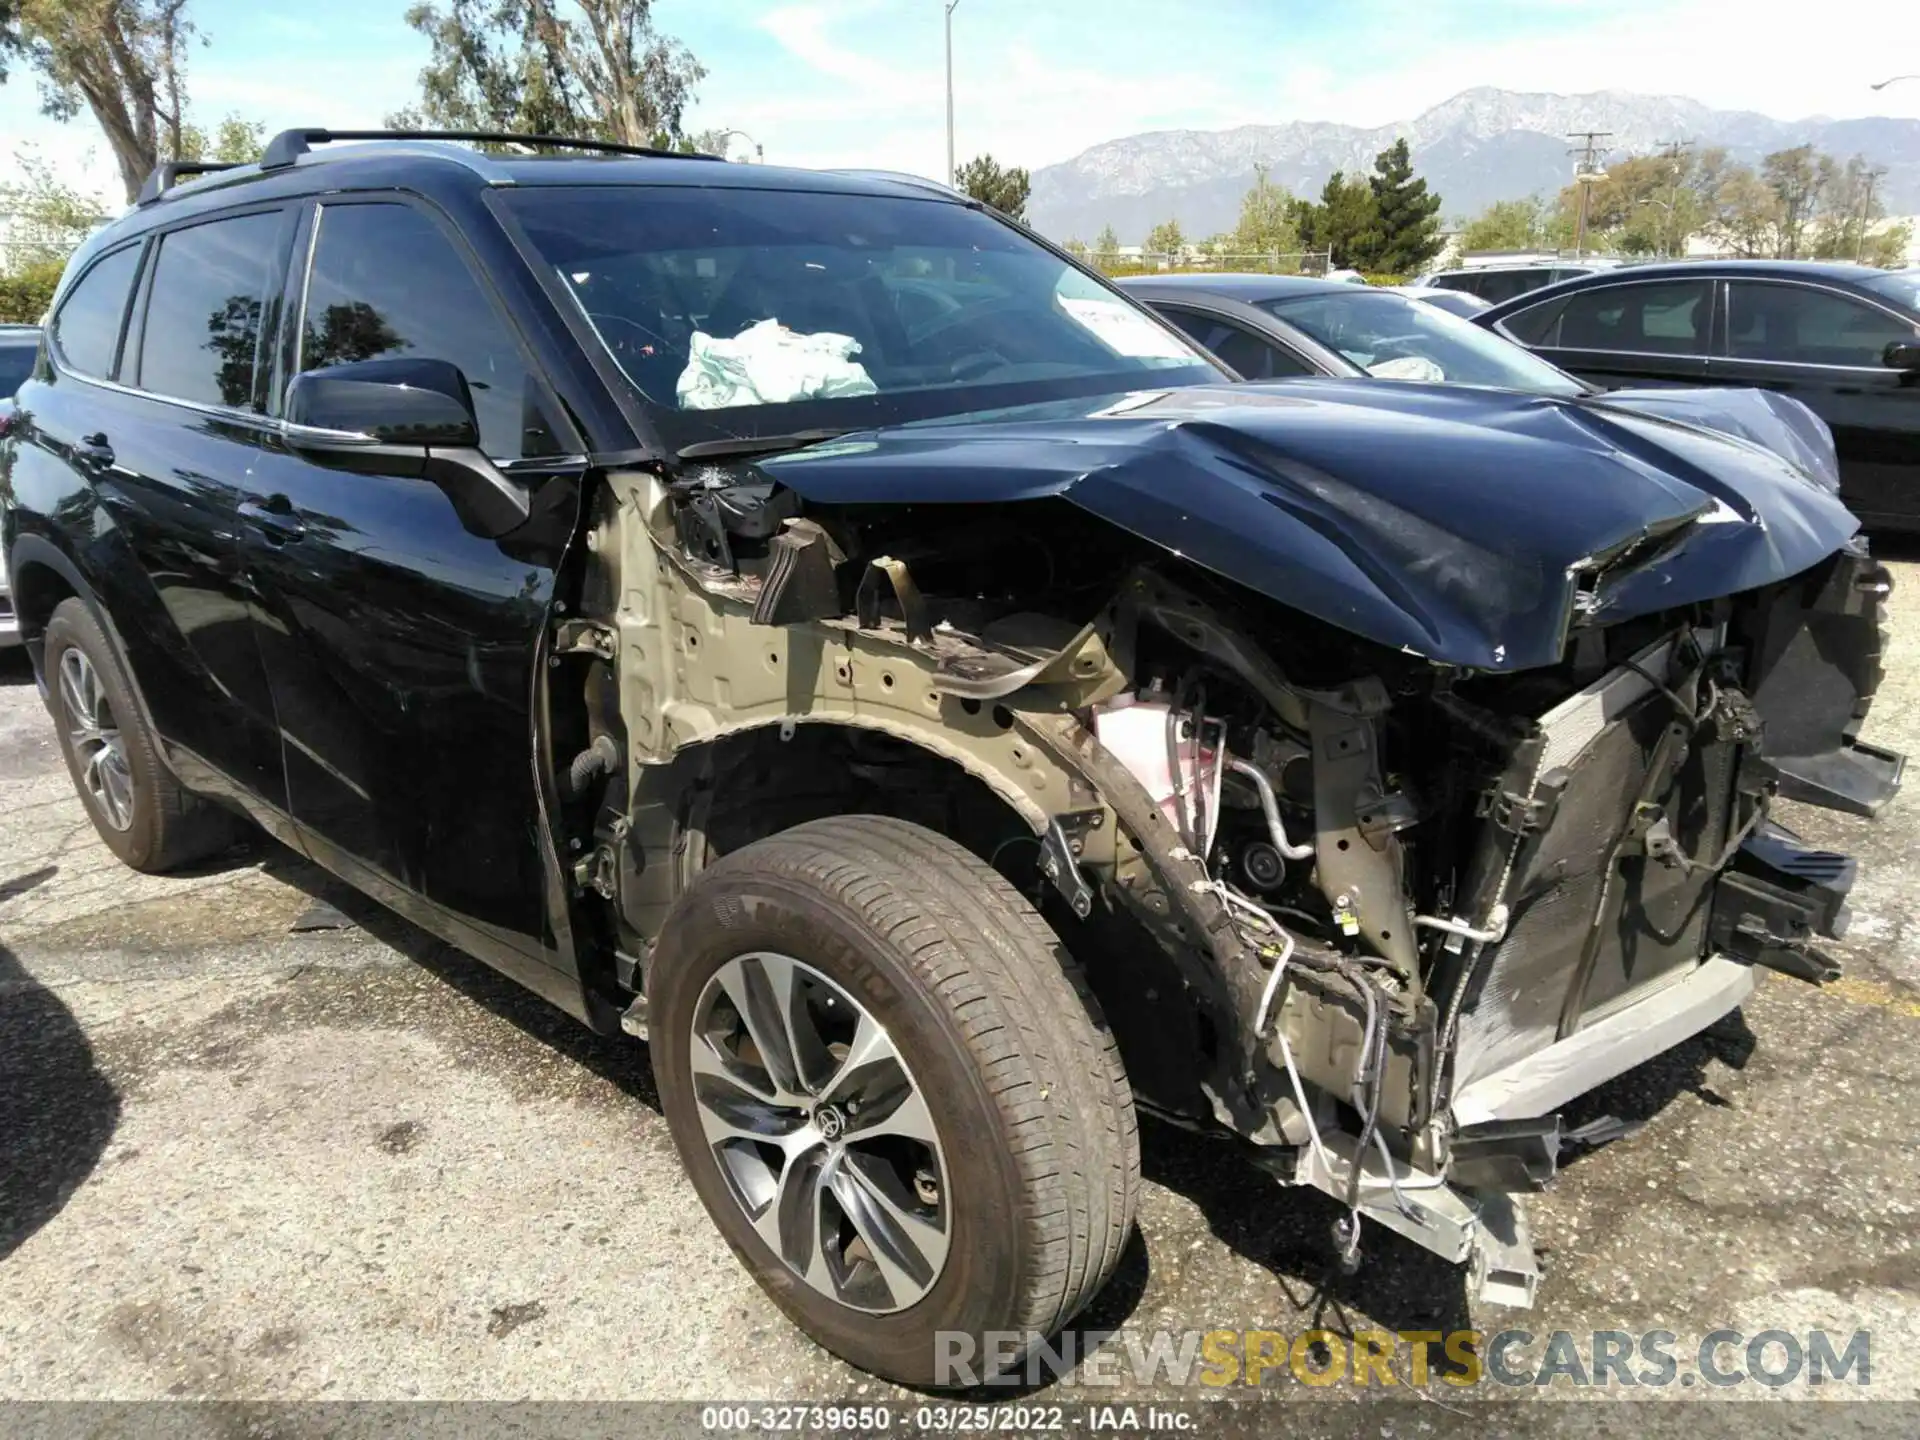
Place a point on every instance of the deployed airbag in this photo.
(768, 364)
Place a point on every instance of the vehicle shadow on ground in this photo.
(57, 1110)
(15, 668)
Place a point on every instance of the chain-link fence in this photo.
(1262, 262)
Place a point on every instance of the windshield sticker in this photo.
(1125, 331)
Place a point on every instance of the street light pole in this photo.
(1891, 80)
(952, 174)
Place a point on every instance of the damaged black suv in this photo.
(809, 622)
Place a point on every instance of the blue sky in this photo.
(860, 82)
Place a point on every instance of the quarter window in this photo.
(387, 282)
(1807, 326)
(86, 328)
(1661, 318)
(200, 339)
(1253, 357)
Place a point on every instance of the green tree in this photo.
(1850, 225)
(1506, 225)
(1076, 247)
(1798, 178)
(1106, 245)
(234, 141)
(1407, 233)
(1004, 189)
(46, 221)
(1166, 238)
(1345, 222)
(595, 69)
(1745, 212)
(122, 60)
(1267, 221)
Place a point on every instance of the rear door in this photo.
(167, 446)
(1647, 332)
(1824, 346)
(400, 646)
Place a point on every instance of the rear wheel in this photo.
(139, 809)
(894, 1093)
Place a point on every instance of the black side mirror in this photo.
(1901, 355)
(406, 417)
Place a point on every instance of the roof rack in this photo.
(289, 145)
(166, 175)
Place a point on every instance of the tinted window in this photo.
(16, 363)
(1464, 280)
(1812, 327)
(1498, 285)
(386, 281)
(87, 328)
(1666, 317)
(873, 295)
(1254, 357)
(200, 339)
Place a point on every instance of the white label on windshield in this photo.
(1125, 331)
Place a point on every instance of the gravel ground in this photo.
(246, 1163)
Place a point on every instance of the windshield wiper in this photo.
(755, 444)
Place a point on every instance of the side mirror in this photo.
(404, 417)
(1901, 355)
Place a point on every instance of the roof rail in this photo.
(167, 174)
(289, 145)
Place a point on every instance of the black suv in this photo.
(808, 621)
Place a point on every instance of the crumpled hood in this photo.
(1769, 419)
(1465, 525)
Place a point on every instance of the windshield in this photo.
(785, 308)
(1901, 286)
(1394, 338)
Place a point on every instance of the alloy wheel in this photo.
(824, 1138)
(94, 734)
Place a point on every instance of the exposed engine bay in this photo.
(1378, 914)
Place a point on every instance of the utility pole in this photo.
(953, 175)
(1584, 176)
(1866, 215)
(1675, 149)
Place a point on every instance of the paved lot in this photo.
(237, 1161)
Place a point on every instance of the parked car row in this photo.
(1843, 340)
(807, 623)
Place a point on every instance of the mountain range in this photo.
(1482, 145)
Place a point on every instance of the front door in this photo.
(400, 646)
(1824, 348)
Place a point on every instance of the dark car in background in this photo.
(1843, 339)
(1272, 326)
(19, 344)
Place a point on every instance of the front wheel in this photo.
(895, 1095)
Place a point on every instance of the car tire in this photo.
(1035, 1158)
(140, 810)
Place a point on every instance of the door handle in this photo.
(93, 452)
(274, 517)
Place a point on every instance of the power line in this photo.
(1588, 151)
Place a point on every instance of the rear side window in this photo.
(200, 339)
(16, 363)
(1808, 327)
(1498, 285)
(1459, 280)
(1255, 357)
(86, 328)
(387, 282)
(1662, 318)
